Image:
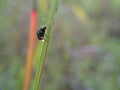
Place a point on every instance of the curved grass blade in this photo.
(44, 46)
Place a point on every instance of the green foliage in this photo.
(44, 47)
(81, 55)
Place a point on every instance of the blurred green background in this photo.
(84, 50)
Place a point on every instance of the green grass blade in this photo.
(44, 46)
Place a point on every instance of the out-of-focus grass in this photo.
(81, 56)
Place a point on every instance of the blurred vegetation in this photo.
(83, 52)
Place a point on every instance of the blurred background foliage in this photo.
(83, 52)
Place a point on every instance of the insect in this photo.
(41, 32)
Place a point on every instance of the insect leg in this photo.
(46, 38)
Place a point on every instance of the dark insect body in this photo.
(41, 32)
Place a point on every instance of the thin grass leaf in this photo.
(31, 47)
(44, 46)
(79, 12)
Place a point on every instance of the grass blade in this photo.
(44, 46)
(31, 47)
